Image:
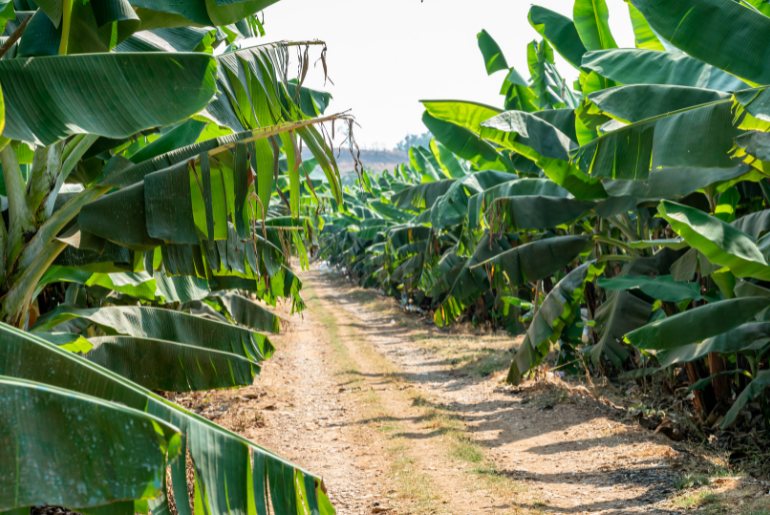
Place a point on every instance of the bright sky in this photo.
(384, 56)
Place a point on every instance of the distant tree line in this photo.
(414, 140)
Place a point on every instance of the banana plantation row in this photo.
(621, 223)
(150, 163)
(153, 191)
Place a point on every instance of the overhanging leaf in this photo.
(720, 242)
(171, 366)
(662, 287)
(536, 260)
(166, 324)
(222, 462)
(671, 139)
(744, 338)
(112, 95)
(753, 390)
(33, 475)
(697, 324)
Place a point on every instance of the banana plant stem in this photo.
(66, 23)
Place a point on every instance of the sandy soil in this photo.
(399, 417)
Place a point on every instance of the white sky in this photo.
(385, 55)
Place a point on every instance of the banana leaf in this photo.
(720, 242)
(749, 337)
(112, 95)
(697, 324)
(90, 467)
(728, 35)
(559, 308)
(560, 31)
(229, 472)
(535, 260)
(640, 66)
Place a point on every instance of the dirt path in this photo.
(398, 417)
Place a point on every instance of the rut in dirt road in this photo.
(398, 417)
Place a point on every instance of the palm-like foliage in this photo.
(612, 219)
(143, 157)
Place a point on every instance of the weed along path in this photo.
(399, 417)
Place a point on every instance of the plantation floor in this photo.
(399, 417)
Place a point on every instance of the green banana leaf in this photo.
(727, 35)
(169, 12)
(559, 308)
(422, 196)
(673, 183)
(536, 260)
(450, 165)
(479, 202)
(165, 324)
(563, 119)
(720, 242)
(535, 212)
(621, 312)
(424, 162)
(447, 128)
(537, 139)
(637, 102)
(211, 190)
(467, 115)
(93, 27)
(518, 93)
(560, 31)
(229, 472)
(671, 139)
(592, 23)
(173, 39)
(662, 287)
(753, 148)
(644, 37)
(253, 93)
(451, 208)
(135, 284)
(180, 288)
(494, 60)
(624, 310)
(171, 366)
(697, 324)
(752, 108)
(201, 12)
(460, 283)
(177, 136)
(390, 212)
(90, 466)
(639, 66)
(528, 134)
(549, 87)
(112, 95)
(752, 336)
(755, 224)
(754, 389)
(248, 313)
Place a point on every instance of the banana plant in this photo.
(142, 148)
(610, 216)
